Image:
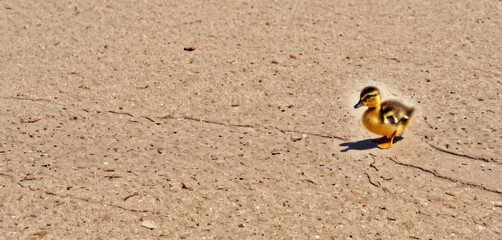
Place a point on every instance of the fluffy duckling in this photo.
(389, 118)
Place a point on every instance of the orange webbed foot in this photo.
(389, 142)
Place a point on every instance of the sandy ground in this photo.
(234, 119)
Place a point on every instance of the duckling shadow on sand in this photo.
(365, 144)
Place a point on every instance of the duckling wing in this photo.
(390, 118)
(394, 112)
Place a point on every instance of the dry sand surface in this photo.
(235, 119)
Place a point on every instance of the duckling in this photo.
(390, 118)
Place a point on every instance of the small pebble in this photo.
(295, 137)
(149, 224)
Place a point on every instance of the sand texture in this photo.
(234, 119)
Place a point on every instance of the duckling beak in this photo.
(359, 104)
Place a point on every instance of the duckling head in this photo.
(370, 97)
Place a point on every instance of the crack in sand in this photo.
(309, 133)
(84, 199)
(122, 113)
(12, 178)
(455, 153)
(29, 99)
(436, 174)
(371, 181)
(207, 121)
(149, 119)
(372, 165)
(377, 184)
(284, 131)
(257, 128)
(463, 155)
(109, 204)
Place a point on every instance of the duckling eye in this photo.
(368, 97)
